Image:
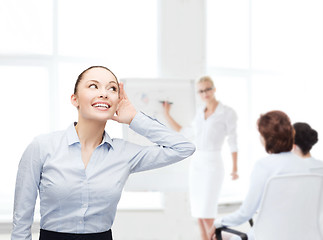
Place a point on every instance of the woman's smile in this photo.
(102, 106)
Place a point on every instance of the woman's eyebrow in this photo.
(96, 81)
(93, 80)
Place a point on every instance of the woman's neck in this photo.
(299, 153)
(308, 155)
(90, 133)
(211, 105)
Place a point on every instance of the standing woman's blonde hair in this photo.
(206, 79)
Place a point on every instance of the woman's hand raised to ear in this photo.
(125, 110)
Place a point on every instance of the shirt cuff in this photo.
(218, 222)
(233, 149)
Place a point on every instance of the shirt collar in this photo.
(72, 136)
(219, 108)
(107, 139)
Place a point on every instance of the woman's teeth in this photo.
(101, 105)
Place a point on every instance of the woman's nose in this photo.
(103, 93)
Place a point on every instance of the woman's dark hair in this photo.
(276, 129)
(305, 136)
(79, 78)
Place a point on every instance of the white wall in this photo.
(172, 223)
(182, 38)
(181, 55)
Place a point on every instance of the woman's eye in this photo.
(92, 86)
(114, 89)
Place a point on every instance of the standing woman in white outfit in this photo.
(212, 124)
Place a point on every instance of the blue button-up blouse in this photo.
(75, 199)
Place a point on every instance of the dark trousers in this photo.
(50, 235)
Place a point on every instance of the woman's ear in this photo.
(74, 101)
(262, 140)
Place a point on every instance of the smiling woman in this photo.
(41, 57)
(80, 172)
(96, 88)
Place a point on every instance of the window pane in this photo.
(25, 106)
(123, 32)
(67, 75)
(287, 35)
(26, 27)
(228, 33)
(299, 96)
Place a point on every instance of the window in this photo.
(26, 27)
(24, 95)
(266, 55)
(44, 45)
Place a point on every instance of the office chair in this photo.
(317, 170)
(291, 208)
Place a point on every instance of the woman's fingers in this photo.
(234, 175)
(115, 118)
(123, 94)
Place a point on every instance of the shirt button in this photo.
(81, 222)
(84, 205)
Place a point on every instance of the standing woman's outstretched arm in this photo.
(175, 125)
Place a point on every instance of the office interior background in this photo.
(263, 55)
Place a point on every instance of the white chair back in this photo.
(317, 170)
(291, 208)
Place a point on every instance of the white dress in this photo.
(206, 172)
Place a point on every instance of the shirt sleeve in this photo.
(27, 182)
(251, 202)
(170, 146)
(232, 130)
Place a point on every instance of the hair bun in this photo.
(305, 136)
(313, 138)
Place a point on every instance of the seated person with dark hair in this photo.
(305, 138)
(277, 136)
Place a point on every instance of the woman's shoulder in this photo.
(273, 159)
(315, 162)
(200, 109)
(120, 144)
(283, 162)
(54, 137)
(226, 108)
(199, 113)
(280, 156)
(263, 161)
